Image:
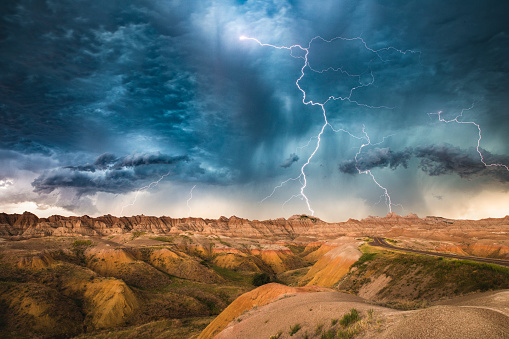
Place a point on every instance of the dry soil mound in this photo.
(451, 322)
(255, 298)
(333, 266)
(309, 310)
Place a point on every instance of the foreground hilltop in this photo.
(298, 227)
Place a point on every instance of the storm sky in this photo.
(122, 107)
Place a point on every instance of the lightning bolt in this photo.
(152, 184)
(439, 113)
(302, 176)
(386, 195)
(190, 197)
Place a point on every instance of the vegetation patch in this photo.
(413, 280)
(164, 239)
(294, 329)
(304, 217)
(136, 234)
(81, 243)
(296, 249)
(350, 318)
(260, 279)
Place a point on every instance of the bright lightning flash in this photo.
(152, 184)
(386, 193)
(459, 116)
(190, 197)
(302, 176)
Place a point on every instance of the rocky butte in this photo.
(297, 227)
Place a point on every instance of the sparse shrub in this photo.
(276, 336)
(294, 329)
(164, 239)
(334, 322)
(260, 279)
(136, 234)
(343, 334)
(81, 243)
(370, 313)
(364, 257)
(350, 318)
(330, 334)
(318, 329)
(78, 247)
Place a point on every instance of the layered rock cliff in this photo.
(301, 227)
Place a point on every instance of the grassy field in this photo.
(417, 279)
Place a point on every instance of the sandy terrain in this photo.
(483, 315)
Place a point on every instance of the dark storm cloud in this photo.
(79, 76)
(111, 174)
(105, 161)
(150, 159)
(376, 158)
(110, 161)
(435, 160)
(291, 159)
(65, 65)
(447, 159)
(161, 78)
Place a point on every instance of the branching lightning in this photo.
(368, 172)
(189, 199)
(439, 113)
(152, 184)
(302, 176)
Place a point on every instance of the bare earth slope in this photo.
(317, 315)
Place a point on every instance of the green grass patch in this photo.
(318, 329)
(350, 318)
(294, 329)
(296, 249)
(81, 243)
(365, 257)
(330, 334)
(429, 277)
(164, 239)
(233, 276)
(260, 279)
(136, 234)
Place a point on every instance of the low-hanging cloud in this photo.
(448, 159)
(435, 160)
(111, 174)
(376, 158)
(291, 159)
(110, 161)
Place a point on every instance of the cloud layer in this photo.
(101, 99)
(435, 160)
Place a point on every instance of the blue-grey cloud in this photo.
(170, 79)
(112, 174)
(447, 159)
(435, 160)
(376, 158)
(290, 160)
(110, 161)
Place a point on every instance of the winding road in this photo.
(380, 242)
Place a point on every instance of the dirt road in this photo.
(380, 242)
